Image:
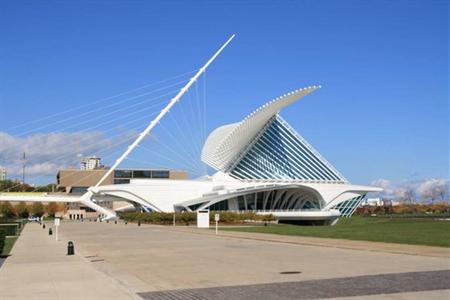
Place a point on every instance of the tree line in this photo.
(24, 210)
(17, 186)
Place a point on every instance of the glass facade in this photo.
(280, 153)
(121, 181)
(348, 207)
(142, 174)
(160, 174)
(78, 190)
(124, 176)
(222, 205)
(281, 200)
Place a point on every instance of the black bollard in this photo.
(126, 222)
(70, 248)
(115, 222)
(139, 223)
(50, 232)
(107, 221)
(43, 226)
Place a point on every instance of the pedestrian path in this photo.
(39, 268)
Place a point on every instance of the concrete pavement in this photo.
(39, 268)
(126, 259)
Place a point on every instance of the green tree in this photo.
(22, 210)
(52, 208)
(16, 186)
(7, 210)
(37, 209)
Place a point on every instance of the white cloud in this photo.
(46, 153)
(417, 190)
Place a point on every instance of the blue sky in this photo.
(383, 111)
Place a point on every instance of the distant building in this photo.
(379, 202)
(73, 181)
(2, 173)
(90, 163)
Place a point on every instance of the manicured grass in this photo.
(9, 243)
(396, 230)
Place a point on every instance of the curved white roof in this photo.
(225, 143)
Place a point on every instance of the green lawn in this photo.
(396, 230)
(9, 243)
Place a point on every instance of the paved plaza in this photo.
(118, 261)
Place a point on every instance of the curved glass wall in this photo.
(280, 153)
(348, 207)
(279, 200)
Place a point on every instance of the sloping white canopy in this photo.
(225, 144)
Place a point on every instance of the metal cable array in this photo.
(118, 119)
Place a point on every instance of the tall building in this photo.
(90, 163)
(2, 173)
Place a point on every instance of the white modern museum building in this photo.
(263, 165)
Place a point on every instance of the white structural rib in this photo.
(226, 143)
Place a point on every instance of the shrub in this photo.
(10, 228)
(52, 208)
(22, 210)
(187, 218)
(7, 210)
(404, 209)
(37, 209)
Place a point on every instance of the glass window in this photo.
(121, 181)
(160, 174)
(195, 206)
(250, 201)
(78, 190)
(141, 174)
(259, 200)
(122, 174)
(222, 205)
(241, 203)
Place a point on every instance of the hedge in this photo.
(191, 217)
(2, 240)
(405, 210)
(10, 229)
(12, 226)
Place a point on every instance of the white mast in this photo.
(162, 113)
(86, 198)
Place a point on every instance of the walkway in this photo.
(39, 268)
(118, 261)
